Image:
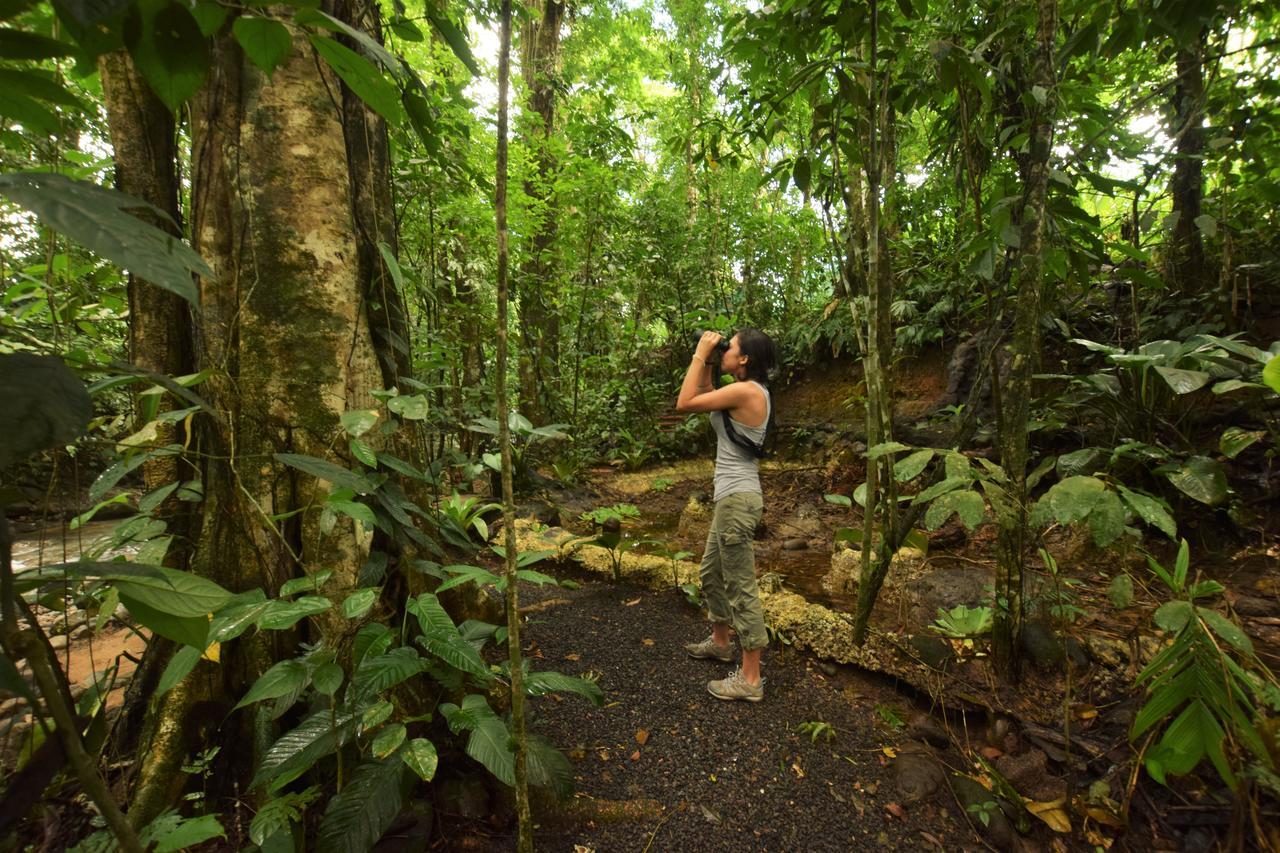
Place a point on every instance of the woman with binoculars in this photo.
(741, 413)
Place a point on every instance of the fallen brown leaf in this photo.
(991, 752)
(631, 603)
(799, 771)
(635, 756)
(647, 641)
(642, 736)
(897, 811)
(573, 656)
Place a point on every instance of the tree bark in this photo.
(538, 281)
(1015, 387)
(286, 333)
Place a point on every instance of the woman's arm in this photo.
(696, 393)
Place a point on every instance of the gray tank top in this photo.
(736, 469)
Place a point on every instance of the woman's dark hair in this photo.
(761, 360)
(761, 355)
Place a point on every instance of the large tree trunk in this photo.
(144, 140)
(1185, 261)
(1015, 387)
(285, 331)
(538, 289)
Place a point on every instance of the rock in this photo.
(997, 829)
(695, 519)
(917, 774)
(933, 652)
(80, 631)
(1108, 651)
(1042, 646)
(544, 512)
(805, 524)
(1248, 605)
(466, 798)
(828, 668)
(795, 545)
(926, 728)
(1069, 546)
(945, 588)
(58, 641)
(770, 582)
(1029, 774)
(846, 570)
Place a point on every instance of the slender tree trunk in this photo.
(1015, 386)
(880, 493)
(1185, 260)
(538, 285)
(525, 832)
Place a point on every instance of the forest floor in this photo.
(896, 753)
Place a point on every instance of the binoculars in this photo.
(721, 348)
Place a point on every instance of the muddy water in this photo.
(57, 544)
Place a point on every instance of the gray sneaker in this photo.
(736, 687)
(708, 649)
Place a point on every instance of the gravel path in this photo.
(691, 772)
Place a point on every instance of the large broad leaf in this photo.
(1150, 510)
(1074, 498)
(549, 767)
(296, 751)
(968, 504)
(1235, 440)
(265, 41)
(431, 614)
(88, 12)
(180, 665)
(420, 755)
(19, 44)
(1271, 374)
(1106, 519)
(96, 218)
(1194, 735)
(280, 615)
(171, 591)
(168, 47)
(1183, 381)
(1084, 461)
(458, 653)
(1226, 629)
(189, 630)
(456, 39)
(328, 472)
(367, 804)
(45, 405)
(362, 77)
(286, 677)
(380, 673)
(910, 467)
(1200, 478)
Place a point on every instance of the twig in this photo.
(665, 818)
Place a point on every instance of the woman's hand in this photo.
(707, 345)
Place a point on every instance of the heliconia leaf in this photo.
(541, 683)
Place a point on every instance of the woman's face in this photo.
(733, 361)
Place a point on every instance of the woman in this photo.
(728, 566)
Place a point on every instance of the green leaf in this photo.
(362, 513)
(169, 49)
(838, 500)
(431, 614)
(180, 665)
(1235, 440)
(376, 714)
(19, 44)
(361, 812)
(328, 678)
(1183, 381)
(412, 407)
(189, 630)
(542, 683)
(1172, 616)
(1084, 461)
(285, 678)
(886, 448)
(359, 421)
(455, 38)
(1074, 498)
(362, 77)
(1202, 479)
(309, 583)
(967, 504)
(31, 114)
(948, 485)
(458, 653)
(1106, 519)
(46, 405)
(266, 42)
(1271, 374)
(1120, 592)
(278, 815)
(1226, 629)
(388, 740)
(372, 639)
(549, 767)
(96, 218)
(358, 603)
(171, 591)
(280, 615)
(910, 467)
(329, 472)
(420, 755)
(297, 750)
(1207, 224)
(377, 674)
(1150, 510)
(801, 174)
(12, 680)
(186, 832)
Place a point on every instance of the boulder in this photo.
(945, 588)
(846, 571)
(917, 774)
(695, 519)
